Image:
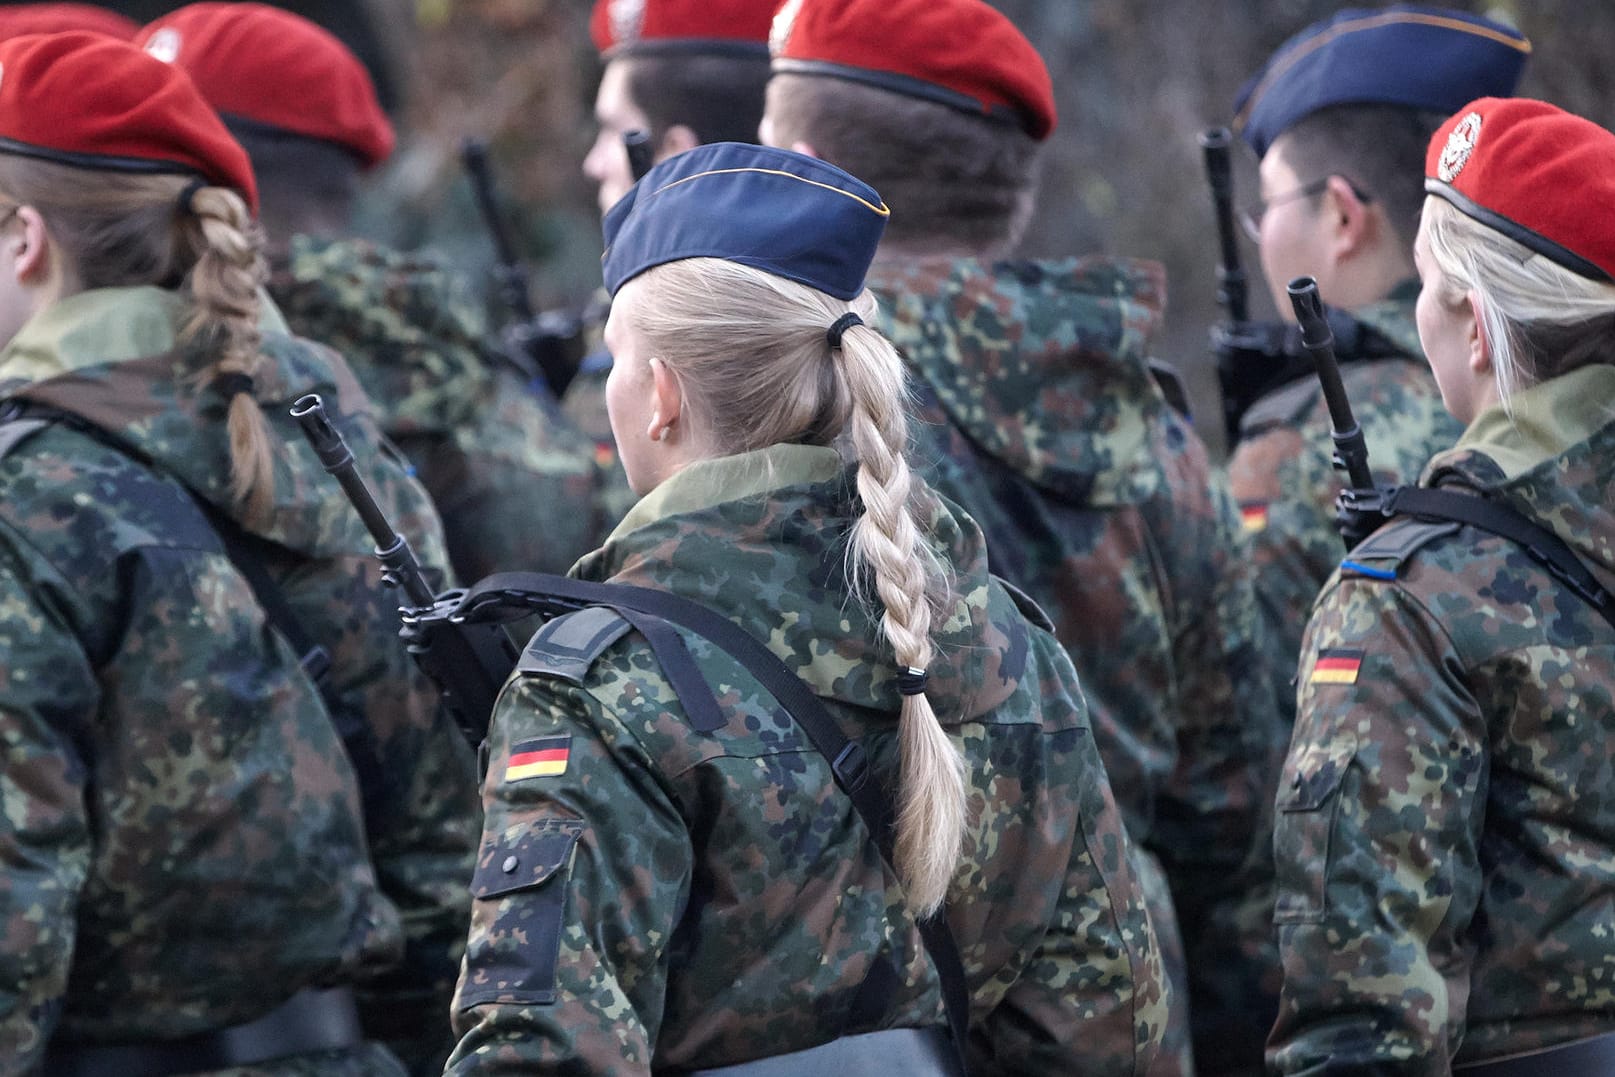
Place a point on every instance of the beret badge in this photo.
(164, 45)
(627, 20)
(1460, 145)
(780, 34)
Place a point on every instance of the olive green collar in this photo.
(1546, 419)
(705, 483)
(104, 325)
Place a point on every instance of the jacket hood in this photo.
(1043, 365)
(412, 332)
(763, 539)
(113, 357)
(1553, 459)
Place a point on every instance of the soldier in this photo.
(1340, 117)
(1445, 839)
(657, 894)
(515, 482)
(1041, 419)
(19, 19)
(231, 804)
(685, 72)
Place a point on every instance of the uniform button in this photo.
(509, 865)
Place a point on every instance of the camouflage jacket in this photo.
(516, 483)
(183, 845)
(1039, 415)
(1446, 843)
(1284, 478)
(663, 898)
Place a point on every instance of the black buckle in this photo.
(851, 766)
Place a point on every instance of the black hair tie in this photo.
(840, 326)
(189, 193)
(230, 383)
(911, 681)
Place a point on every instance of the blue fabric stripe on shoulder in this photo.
(1371, 573)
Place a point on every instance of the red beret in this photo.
(710, 26)
(1533, 172)
(19, 19)
(264, 65)
(85, 99)
(959, 52)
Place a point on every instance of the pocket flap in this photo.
(523, 856)
(1314, 772)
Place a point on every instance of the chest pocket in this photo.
(520, 892)
(1307, 803)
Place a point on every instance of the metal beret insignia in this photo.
(780, 33)
(1460, 144)
(627, 20)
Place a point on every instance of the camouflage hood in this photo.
(1030, 360)
(112, 356)
(414, 335)
(1554, 460)
(762, 539)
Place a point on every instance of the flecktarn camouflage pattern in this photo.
(650, 894)
(1039, 415)
(1284, 479)
(1444, 843)
(518, 486)
(185, 841)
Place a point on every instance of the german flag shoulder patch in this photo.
(1336, 666)
(1253, 516)
(545, 757)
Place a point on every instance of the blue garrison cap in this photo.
(794, 216)
(1425, 58)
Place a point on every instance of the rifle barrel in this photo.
(1318, 340)
(1232, 293)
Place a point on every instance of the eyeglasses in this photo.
(1250, 218)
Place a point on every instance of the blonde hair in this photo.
(119, 229)
(755, 370)
(1540, 319)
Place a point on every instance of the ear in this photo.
(804, 148)
(27, 247)
(1351, 220)
(1480, 346)
(669, 401)
(677, 139)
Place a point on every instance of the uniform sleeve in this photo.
(48, 697)
(584, 870)
(1379, 819)
(1286, 488)
(1213, 820)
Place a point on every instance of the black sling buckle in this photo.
(1540, 544)
(528, 590)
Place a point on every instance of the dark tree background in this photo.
(1136, 81)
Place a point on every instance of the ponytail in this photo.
(932, 802)
(224, 283)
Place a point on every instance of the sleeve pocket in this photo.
(520, 892)
(1307, 803)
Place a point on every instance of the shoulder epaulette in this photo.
(567, 646)
(1381, 554)
(16, 431)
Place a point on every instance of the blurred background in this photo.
(1136, 81)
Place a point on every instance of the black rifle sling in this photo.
(248, 553)
(847, 760)
(1539, 543)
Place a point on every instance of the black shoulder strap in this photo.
(847, 760)
(1539, 543)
